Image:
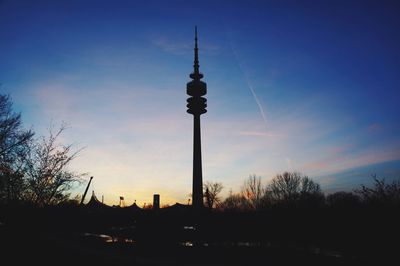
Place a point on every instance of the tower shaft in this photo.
(197, 191)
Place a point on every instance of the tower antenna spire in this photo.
(196, 75)
(196, 52)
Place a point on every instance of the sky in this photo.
(308, 86)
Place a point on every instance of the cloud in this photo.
(180, 46)
(352, 178)
(344, 159)
(374, 128)
(258, 134)
(173, 47)
(249, 84)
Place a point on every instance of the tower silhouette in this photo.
(196, 106)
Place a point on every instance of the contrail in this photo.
(264, 117)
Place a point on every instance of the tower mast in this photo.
(87, 187)
(196, 106)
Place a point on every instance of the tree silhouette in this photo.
(11, 133)
(290, 187)
(211, 193)
(14, 148)
(253, 191)
(381, 192)
(235, 202)
(47, 171)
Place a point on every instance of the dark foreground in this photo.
(47, 248)
(77, 236)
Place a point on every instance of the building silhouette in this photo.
(156, 201)
(196, 106)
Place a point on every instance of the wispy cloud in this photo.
(374, 128)
(258, 134)
(173, 47)
(181, 46)
(249, 84)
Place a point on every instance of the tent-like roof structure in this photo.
(95, 203)
(178, 207)
(134, 207)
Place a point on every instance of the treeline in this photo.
(33, 170)
(294, 190)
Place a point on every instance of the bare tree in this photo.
(309, 186)
(14, 147)
(253, 191)
(235, 202)
(285, 186)
(48, 176)
(11, 133)
(211, 193)
(381, 192)
(292, 186)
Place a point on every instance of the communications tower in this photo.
(196, 105)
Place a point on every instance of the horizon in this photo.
(303, 87)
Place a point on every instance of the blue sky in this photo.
(311, 86)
